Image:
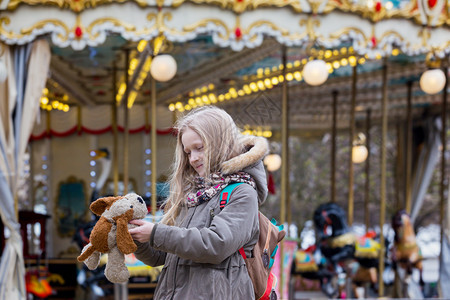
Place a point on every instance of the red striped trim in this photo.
(39, 136)
(74, 129)
(65, 133)
(97, 131)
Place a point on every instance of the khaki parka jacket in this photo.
(200, 257)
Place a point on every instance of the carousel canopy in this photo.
(230, 53)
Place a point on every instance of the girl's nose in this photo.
(194, 157)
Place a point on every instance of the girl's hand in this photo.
(141, 233)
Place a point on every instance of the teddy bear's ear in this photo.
(101, 204)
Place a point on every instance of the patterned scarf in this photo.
(205, 191)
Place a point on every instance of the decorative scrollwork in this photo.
(112, 21)
(421, 11)
(349, 31)
(246, 5)
(205, 22)
(76, 6)
(43, 23)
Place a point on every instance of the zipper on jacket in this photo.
(178, 258)
(175, 278)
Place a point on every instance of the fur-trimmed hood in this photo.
(251, 162)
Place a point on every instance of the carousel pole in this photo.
(126, 125)
(408, 163)
(399, 167)
(444, 148)
(154, 143)
(121, 289)
(333, 148)
(30, 183)
(367, 171)
(284, 161)
(352, 136)
(384, 129)
(115, 132)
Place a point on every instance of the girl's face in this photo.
(193, 147)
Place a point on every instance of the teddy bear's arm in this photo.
(99, 235)
(125, 242)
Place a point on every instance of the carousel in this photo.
(91, 88)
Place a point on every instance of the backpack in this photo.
(261, 262)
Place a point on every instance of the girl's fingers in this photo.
(137, 222)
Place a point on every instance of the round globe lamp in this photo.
(315, 72)
(432, 81)
(163, 67)
(359, 154)
(272, 162)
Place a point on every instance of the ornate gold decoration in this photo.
(244, 5)
(160, 24)
(409, 11)
(76, 6)
(65, 36)
(4, 33)
(159, 3)
(310, 23)
(13, 4)
(425, 35)
(315, 5)
(388, 33)
(203, 23)
(346, 31)
(42, 23)
(115, 22)
(284, 32)
(245, 31)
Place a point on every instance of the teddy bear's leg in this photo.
(116, 271)
(93, 260)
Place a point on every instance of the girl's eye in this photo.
(200, 148)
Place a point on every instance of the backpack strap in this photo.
(226, 192)
(224, 198)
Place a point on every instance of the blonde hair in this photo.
(221, 142)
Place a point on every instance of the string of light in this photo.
(268, 78)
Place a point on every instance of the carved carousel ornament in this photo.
(74, 5)
(431, 12)
(163, 17)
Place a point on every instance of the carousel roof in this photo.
(230, 53)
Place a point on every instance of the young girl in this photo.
(196, 241)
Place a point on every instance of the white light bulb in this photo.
(163, 67)
(315, 72)
(359, 154)
(273, 162)
(432, 81)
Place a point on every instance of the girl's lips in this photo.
(199, 166)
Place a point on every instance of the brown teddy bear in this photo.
(110, 234)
